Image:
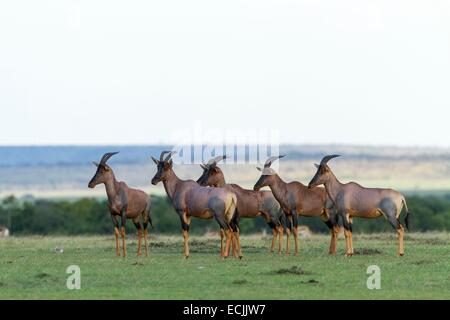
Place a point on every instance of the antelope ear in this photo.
(155, 161)
(258, 168)
(95, 163)
(317, 166)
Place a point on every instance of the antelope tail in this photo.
(407, 221)
(148, 212)
(150, 221)
(235, 219)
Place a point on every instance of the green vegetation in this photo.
(29, 268)
(90, 217)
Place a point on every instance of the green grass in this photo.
(30, 269)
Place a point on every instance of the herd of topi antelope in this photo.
(212, 197)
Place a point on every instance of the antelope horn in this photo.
(271, 160)
(328, 158)
(106, 157)
(171, 153)
(161, 157)
(214, 161)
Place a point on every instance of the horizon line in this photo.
(237, 144)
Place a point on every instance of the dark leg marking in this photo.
(295, 219)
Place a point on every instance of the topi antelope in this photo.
(124, 203)
(250, 204)
(352, 200)
(192, 200)
(297, 200)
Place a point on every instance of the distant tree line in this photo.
(90, 216)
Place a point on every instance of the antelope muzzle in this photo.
(155, 180)
(314, 183)
(202, 181)
(259, 184)
(92, 184)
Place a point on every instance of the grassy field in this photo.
(29, 268)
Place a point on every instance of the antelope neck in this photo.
(278, 188)
(171, 183)
(333, 186)
(112, 187)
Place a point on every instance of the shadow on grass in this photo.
(367, 251)
(291, 271)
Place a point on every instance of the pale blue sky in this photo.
(116, 72)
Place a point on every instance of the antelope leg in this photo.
(185, 222)
(229, 235)
(295, 225)
(145, 241)
(351, 243)
(138, 226)
(122, 231)
(296, 240)
(348, 243)
(124, 245)
(274, 237)
(222, 236)
(139, 252)
(238, 243)
(401, 249)
(116, 233)
(333, 243)
(186, 243)
(350, 220)
(280, 243)
(233, 244)
(288, 235)
(288, 242)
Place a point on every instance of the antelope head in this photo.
(164, 166)
(104, 172)
(212, 175)
(267, 173)
(323, 173)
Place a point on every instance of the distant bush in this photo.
(90, 216)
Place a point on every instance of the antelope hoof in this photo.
(401, 254)
(348, 255)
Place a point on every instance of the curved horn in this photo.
(171, 153)
(328, 158)
(271, 160)
(215, 160)
(161, 157)
(106, 157)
